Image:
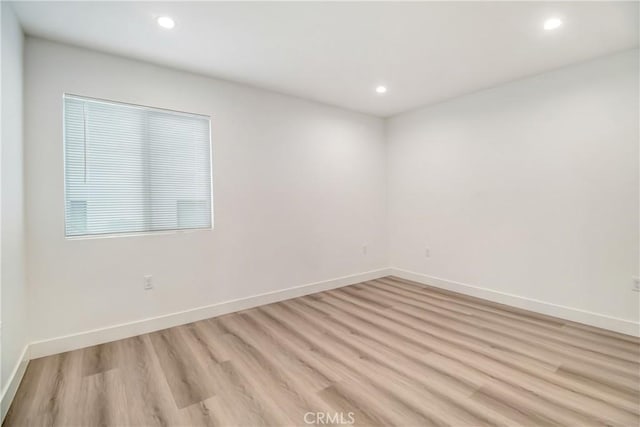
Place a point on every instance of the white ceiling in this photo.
(338, 52)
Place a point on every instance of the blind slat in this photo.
(134, 169)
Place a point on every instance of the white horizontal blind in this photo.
(134, 169)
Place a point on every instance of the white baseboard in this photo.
(569, 313)
(10, 389)
(126, 330)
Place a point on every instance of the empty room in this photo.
(319, 213)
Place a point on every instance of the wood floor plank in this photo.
(402, 356)
(592, 330)
(149, 398)
(304, 375)
(22, 411)
(186, 377)
(493, 353)
(490, 363)
(380, 404)
(291, 340)
(201, 339)
(476, 306)
(102, 400)
(433, 386)
(344, 400)
(58, 389)
(518, 412)
(267, 384)
(203, 414)
(99, 359)
(435, 326)
(39, 394)
(387, 352)
(548, 349)
(531, 405)
(621, 341)
(238, 403)
(551, 354)
(630, 352)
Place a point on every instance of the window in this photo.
(131, 169)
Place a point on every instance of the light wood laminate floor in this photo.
(387, 351)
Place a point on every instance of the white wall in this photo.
(530, 188)
(12, 261)
(297, 193)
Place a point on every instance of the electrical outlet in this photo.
(364, 249)
(148, 282)
(636, 284)
(427, 252)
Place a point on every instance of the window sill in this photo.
(136, 234)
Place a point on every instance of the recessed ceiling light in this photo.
(381, 89)
(552, 23)
(166, 22)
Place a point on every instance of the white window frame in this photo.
(130, 233)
